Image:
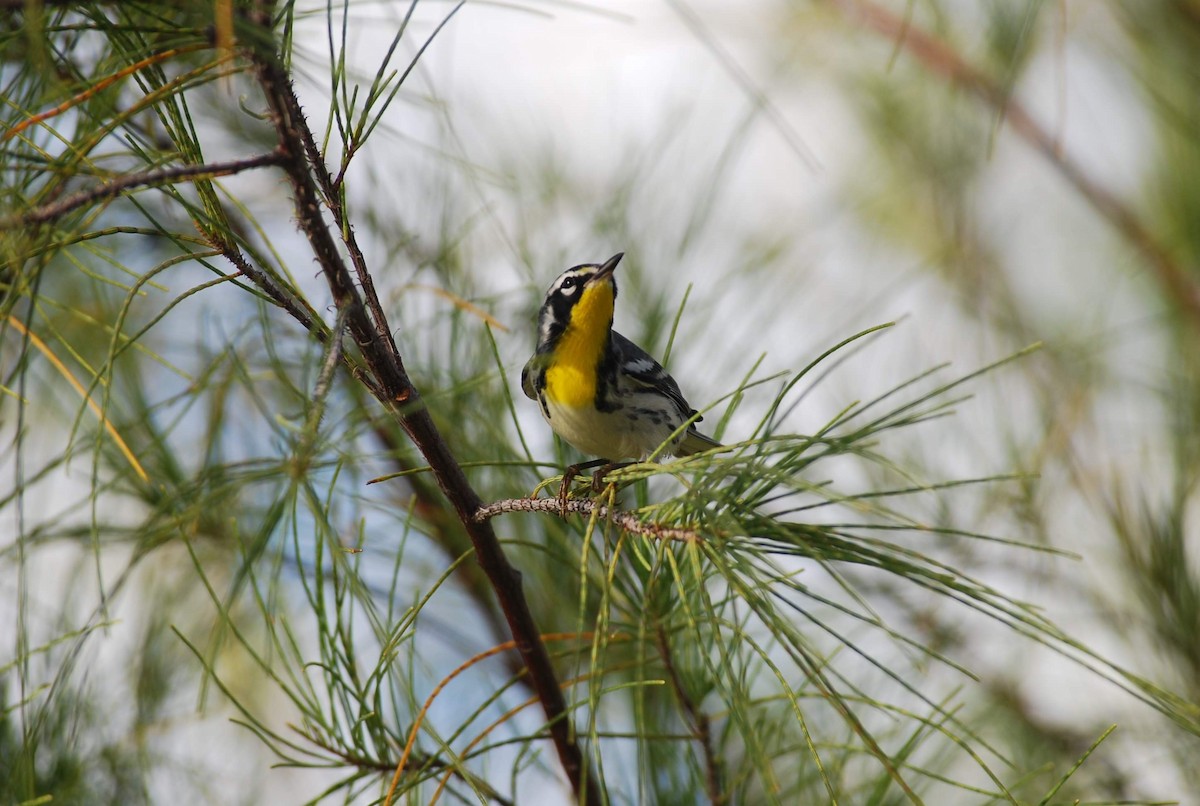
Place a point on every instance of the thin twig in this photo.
(626, 520)
(700, 723)
(266, 284)
(943, 60)
(117, 186)
(396, 391)
(100, 85)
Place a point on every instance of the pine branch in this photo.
(397, 392)
(117, 186)
(333, 200)
(265, 283)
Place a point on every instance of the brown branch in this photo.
(626, 520)
(333, 200)
(700, 724)
(266, 284)
(938, 57)
(117, 186)
(427, 503)
(397, 392)
(438, 521)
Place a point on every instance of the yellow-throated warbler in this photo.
(598, 390)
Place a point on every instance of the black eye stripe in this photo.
(561, 307)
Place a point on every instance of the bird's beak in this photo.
(608, 268)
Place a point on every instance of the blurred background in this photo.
(987, 174)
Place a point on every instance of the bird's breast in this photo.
(573, 365)
(571, 385)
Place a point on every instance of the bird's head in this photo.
(582, 298)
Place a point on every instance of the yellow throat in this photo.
(571, 374)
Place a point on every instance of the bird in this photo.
(598, 390)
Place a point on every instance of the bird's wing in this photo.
(639, 367)
(528, 377)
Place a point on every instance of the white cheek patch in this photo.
(568, 290)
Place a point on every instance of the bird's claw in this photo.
(568, 476)
(598, 483)
(564, 490)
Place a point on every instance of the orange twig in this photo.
(412, 734)
(461, 303)
(100, 86)
(78, 387)
(507, 715)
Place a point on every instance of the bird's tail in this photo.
(695, 442)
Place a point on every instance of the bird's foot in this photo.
(598, 477)
(564, 489)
